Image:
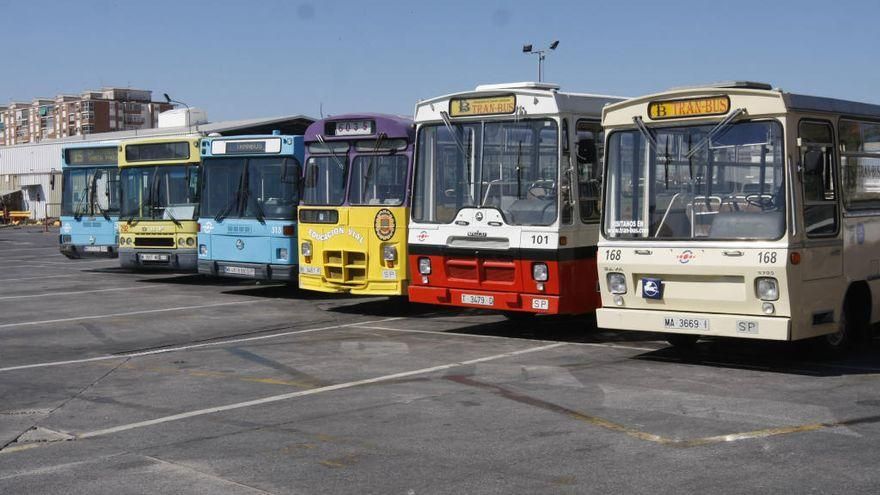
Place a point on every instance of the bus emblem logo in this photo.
(652, 288)
(385, 224)
(239, 244)
(91, 239)
(686, 256)
(479, 216)
(207, 227)
(423, 236)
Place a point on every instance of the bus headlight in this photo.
(425, 266)
(129, 240)
(616, 283)
(306, 249)
(203, 249)
(190, 242)
(180, 241)
(389, 253)
(540, 272)
(766, 288)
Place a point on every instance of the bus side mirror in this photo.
(813, 160)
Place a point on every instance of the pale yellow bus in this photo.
(739, 210)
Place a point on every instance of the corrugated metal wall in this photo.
(30, 159)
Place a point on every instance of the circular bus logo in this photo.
(239, 244)
(686, 256)
(385, 224)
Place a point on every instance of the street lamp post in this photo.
(541, 53)
(169, 100)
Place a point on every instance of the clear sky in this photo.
(240, 59)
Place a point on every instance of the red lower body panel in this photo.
(506, 285)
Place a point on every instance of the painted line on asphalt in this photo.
(502, 337)
(313, 391)
(53, 294)
(37, 278)
(184, 347)
(130, 313)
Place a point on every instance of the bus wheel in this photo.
(518, 315)
(849, 329)
(682, 341)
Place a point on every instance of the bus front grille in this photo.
(140, 241)
(345, 267)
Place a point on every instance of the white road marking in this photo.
(502, 337)
(184, 347)
(53, 294)
(37, 278)
(131, 313)
(313, 391)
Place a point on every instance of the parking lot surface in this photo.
(120, 382)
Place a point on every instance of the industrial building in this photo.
(35, 168)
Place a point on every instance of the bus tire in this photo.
(682, 341)
(852, 325)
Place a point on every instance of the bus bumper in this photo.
(75, 251)
(496, 300)
(371, 288)
(182, 260)
(249, 271)
(741, 326)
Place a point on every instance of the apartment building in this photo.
(91, 112)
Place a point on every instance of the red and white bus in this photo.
(506, 196)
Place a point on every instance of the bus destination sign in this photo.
(91, 156)
(352, 128)
(692, 107)
(246, 147)
(490, 105)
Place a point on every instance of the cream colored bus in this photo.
(739, 210)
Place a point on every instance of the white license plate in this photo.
(679, 323)
(237, 270)
(478, 300)
(310, 270)
(389, 274)
(541, 304)
(95, 249)
(154, 257)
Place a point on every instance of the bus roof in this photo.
(760, 99)
(547, 100)
(394, 126)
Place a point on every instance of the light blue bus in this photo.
(247, 220)
(89, 200)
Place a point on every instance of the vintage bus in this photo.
(250, 191)
(506, 199)
(159, 198)
(739, 210)
(355, 201)
(89, 202)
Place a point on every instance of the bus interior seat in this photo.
(532, 211)
(741, 224)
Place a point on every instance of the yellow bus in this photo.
(355, 204)
(159, 187)
(739, 210)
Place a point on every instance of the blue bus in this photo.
(89, 200)
(247, 220)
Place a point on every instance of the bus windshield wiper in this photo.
(93, 203)
(80, 206)
(369, 173)
(235, 202)
(248, 198)
(332, 152)
(167, 211)
(646, 133)
(453, 133)
(715, 131)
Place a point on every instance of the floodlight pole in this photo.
(542, 54)
(169, 100)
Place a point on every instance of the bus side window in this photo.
(819, 181)
(566, 178)
(589, 169)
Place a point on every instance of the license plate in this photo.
(389, 274)
(95, 249)
(154, 257)
(309, 270)
(478, 300)
(679, 323)
(238, 270)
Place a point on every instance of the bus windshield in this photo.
(324, 180)
(260, 188)
(89, 191)
(696, 182)
(166, 192)
(508, 165)
(378, 180)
